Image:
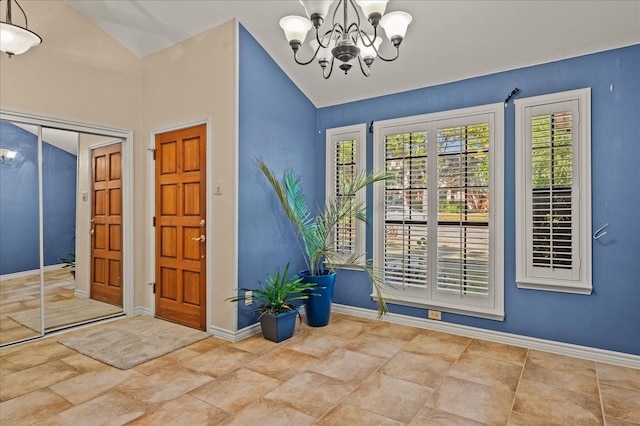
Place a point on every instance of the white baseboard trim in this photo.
(235, 336)
(30, 273)
(141, 310)
(83, 294)
(577, 351)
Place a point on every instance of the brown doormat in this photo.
(132, 341)
(64, 313)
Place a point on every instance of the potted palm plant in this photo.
(315, 235)
(277, 310)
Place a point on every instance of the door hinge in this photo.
(153, 287)
(154, 221)
(153, 151)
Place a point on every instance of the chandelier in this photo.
(344, 41)
(15, 39)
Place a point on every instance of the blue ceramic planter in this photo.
(318, 305)
(278, 327)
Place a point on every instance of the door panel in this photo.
(180, 226)
(106, 248)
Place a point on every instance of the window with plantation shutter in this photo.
(553, 196)
(438, 220)
(345, 157)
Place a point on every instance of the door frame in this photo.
(126, 137)
(152, 210)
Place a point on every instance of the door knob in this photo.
(201, 238)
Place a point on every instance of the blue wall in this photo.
(19, 239)
(279, 124)
(610, 317)
(276, 123)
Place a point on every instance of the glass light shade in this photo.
(321, 7)
(295, 27)
(369, 51)
(324, 52)
(15, 40)
(372, 6)
(395, 24)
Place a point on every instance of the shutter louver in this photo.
(463, 209)
(345, 230)
(551, 190)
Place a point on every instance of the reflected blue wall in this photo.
(19, 228)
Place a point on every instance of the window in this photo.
(345, 157)
(438, 222)
(553, 192)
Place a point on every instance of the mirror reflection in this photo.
(79, 259)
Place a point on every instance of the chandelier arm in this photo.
(357, 15)
(336, 29)
(26, 23)
(330, 70)
(295, 57)
(388, 59)
(366, 72)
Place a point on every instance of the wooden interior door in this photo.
(181, 226)
(106, 226)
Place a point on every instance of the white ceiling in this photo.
(447, 40)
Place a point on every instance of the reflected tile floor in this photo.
(352, 372)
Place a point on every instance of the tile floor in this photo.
(352, 372)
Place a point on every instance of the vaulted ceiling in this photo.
(447, 40)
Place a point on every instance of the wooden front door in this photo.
(180, 226)
(106, 224)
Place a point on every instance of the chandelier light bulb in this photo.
(395, 25)
(295, 28)
(373, 8)
(316, 10)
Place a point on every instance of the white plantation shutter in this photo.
(437, 242)
(345, 157)
(553, 195)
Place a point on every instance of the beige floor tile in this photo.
(521, 419)
(317, 345)
(487, 371)
(207, 345)
(32, 407)
(390, 397)
(7, 367)
(423, 370)
(282, 364)
(351, 415)
(162, 386)
(41, 376)
(482, 403)
(112, 409)
(219, 361)
(621, 403)
(435, 344)
(169, 361)
(50, 350)
(557, 371)
(562, 362)
(236, 390)
(622, 377)
(386, 329)
(184, 410)
(83, 363)
(497, 351)
(311, 393)
(269, 413)
(430, 417)
(90, 385)
(557, 405)
(348, 366)
(612, 421)
(255, 344)
(346, 328)
(375, 346)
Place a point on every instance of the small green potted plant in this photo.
(276, 297)
(69, 263)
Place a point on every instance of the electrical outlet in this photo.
(435, 315)
(248, 298)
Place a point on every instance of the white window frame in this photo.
(493, 306)
(357, 132)
(578, 278)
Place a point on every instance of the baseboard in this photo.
(577, 351)
(81, 294)
(141, 310)
(30, 273)
(234, 336)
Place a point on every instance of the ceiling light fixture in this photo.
(7, 156)
(15, 39)
(345, 41)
